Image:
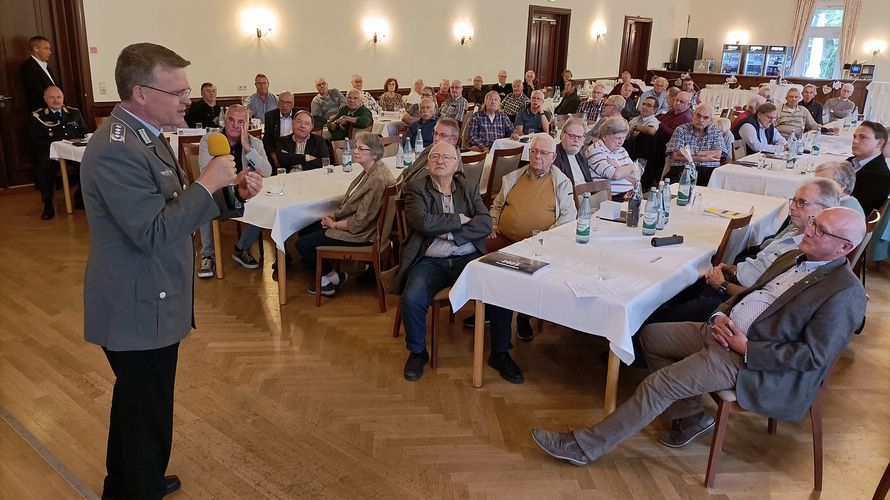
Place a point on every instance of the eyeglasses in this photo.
(434, 157)
(801, 203)
(443, 135)
(573, 136)
(180, 94)
(819, 231)
(541, 152)
(362, 148)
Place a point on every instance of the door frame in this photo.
(622, 65)
(563, 23)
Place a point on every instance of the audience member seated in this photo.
(279, 122)
(447, 226)
(528, 84)
(447, 130)
(502, 87)
(425, 124)
(592, 108)
(55, 122)
(570, 100)
(412, 114)
(688, 86)
(646, 123)
(759, 132)
(567, 76)
(659, 93)
(750, 110)
(809, 102)
(643, 144)
(764, 91)
(795, 119)
(703, 139)
(607, 158)
(680, 113)
(774, 357)
(302, 150)
(205, 111)
(390, 99)
(489, 124)
(247, 150)
(444, 92)
(454, 107)
(416, 93)
(475, 95)
(698, 301)
(516, 101)
(611, 107)
(623, 80)
(872, 175)
(326, 103)
(262, 101)
(354, 222)
(533, 118)
(537, 196)
(352, 116)
(842, 173)
(569, 159)
(840, 107)
(368, 100)
(726, 127)
(630, 109)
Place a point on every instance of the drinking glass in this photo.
(603, 265)
(695, 206)
(538, 239)
(280, 173)
(326, 165)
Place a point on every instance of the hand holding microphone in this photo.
(220, 172)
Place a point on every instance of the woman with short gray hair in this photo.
(841, 172)
(607, 159)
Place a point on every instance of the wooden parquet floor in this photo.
(310, 402)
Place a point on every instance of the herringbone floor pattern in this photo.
(310, 402)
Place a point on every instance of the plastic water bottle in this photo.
(633, 206)
(418, 142)
(582, 233)
(650, 215)
(400, 156)
(221, 120)
(817, 143)
(659, 208)
(409, 155)
(793, 144)
(717, 104)
(683, 194)
(666, 201)
(347, 157)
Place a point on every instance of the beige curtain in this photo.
(802, 16)
(851, 20)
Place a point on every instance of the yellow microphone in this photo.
(218, 145)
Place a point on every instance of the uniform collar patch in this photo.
(144, 135)
(118, 132)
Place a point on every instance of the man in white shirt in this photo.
(759, 131)
(36, 73)
(415, 95)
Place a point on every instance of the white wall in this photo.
(421, 44)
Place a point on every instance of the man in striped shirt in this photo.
(794, 118)
(592, 108)
(516, 101)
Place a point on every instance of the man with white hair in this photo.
(794, 118)
(368, 100)
(840, 107)
(352, 116)
(454, 107)
(326, 103)
(502, 87)
(534, 118)
(703, 139)
(592, 108)
(489, 124)
(515, 101)
(569, 158)
(679, 114)
(658, 92)
(416, 93)
(841, 172)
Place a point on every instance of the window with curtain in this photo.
(822, 41)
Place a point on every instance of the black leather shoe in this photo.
(470, 321)
(524, 328)
(509, 370)
(171, 484)
(414, 365)
(48, 212)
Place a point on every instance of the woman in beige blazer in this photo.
(354, 222)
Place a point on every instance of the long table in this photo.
(643, 277)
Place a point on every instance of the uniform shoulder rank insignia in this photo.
(118, 132)
(144, 135)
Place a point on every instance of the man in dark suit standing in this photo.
(772, 343)
(872, 175)
(138, 289)
(36, 74)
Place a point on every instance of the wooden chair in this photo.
(473, 166)
(464, 138)
(727, 403)
(353, 131)
(856, 258)
(188, 139)
(439, 300)
(390, 146)
(503, 162)
(600, 190)
(735, 229)
(337, 152)
(376, 253)
(189, 152)
(258, 133)
(883, 486)
(738, 150)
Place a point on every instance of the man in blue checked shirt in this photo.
(489, 124)
(704, 139)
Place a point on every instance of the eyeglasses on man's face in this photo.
(434, 157)
(819, 230)
(182, 94)
(543, 153)
(802, 203)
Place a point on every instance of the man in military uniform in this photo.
(138, 289)
(53, 123)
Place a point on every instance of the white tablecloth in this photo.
(637, 285)
(387, 127)
(64, 150)
(730, 98)
(878, 101)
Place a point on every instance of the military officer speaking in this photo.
(53, 123)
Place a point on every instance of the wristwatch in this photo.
(721, 289)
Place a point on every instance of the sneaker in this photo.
(524, 328)
(207, 269)
(414, 365)
(504, 364)
(244, 258)
(327, 290)
(686, 429)
(561, 445)
(470, 321)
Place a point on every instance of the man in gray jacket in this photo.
(772, 343)
(139, 277)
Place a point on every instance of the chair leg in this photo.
(883, 486)
(317, 280)
(540, 325)
(381, 295)
(723, 411)
(772, 425)
(397, 322)
(816, 420)
(434, 339)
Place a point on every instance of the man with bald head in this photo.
(54, 122)
(326, 103)
(658, 91)
(279, 122)
(705, 141)
(841, 107)
(502, 87)
(354, 115)
(475, 95)
(773, 343)
(534, 118)
(680, 113)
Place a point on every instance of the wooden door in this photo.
(547, 44)
(635, 46)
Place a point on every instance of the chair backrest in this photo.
(738, 149)
(735, 230)
(401, 223)
(337, 152)
(856, 257)
(503, 162)
(190, 160)
(473, 166)
(385, 218)
(464, 138)
(187, 139)
(353, 130)
(390, 146)
(600, 190)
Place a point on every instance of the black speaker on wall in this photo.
(688, 50)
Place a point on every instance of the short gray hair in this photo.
(542, 136)
(829, 191)
(574, 121)
(612, 125)
(373, 142)
(616, 100)
(841, 172)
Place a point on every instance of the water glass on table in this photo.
(280, 173)
(538, 242)
(326, 165)
(603, 265)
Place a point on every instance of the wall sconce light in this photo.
(463, 32)
(260, 22)
(376, 28)
(875, 47)
(738, 37)
(598, 30)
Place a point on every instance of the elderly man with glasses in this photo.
(759, 131)
(455, 106)
(326, 103)
(447, 130)
(569, 159)
(515, 101)
(412, 114)
(703, 139)
(534, 118)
